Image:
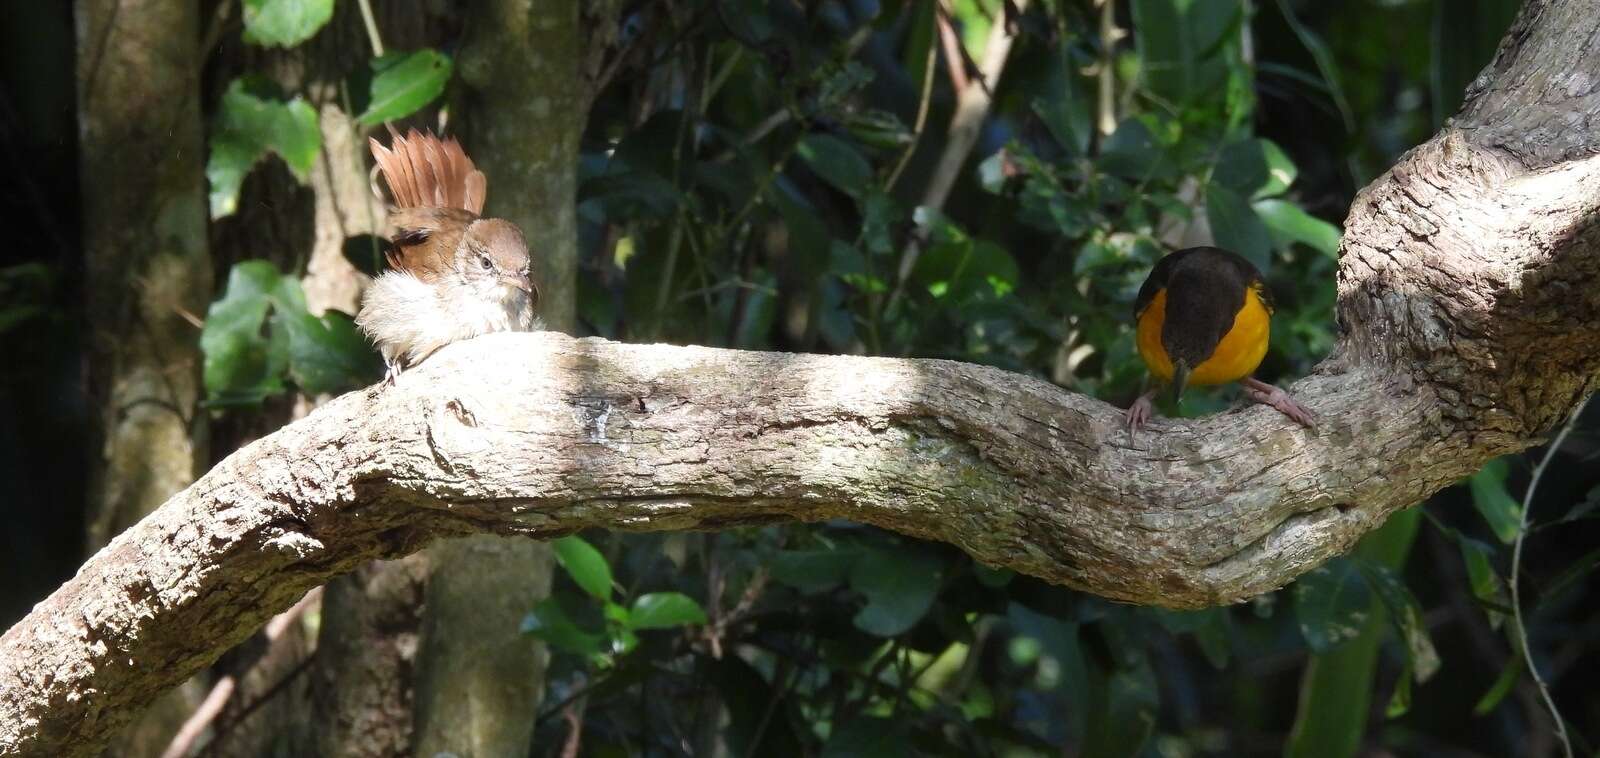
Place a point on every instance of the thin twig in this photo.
(214, 30)
(972, 109)
(1106, 120)
(202, 717)
(372, 27)
(922, 119)
(223, 690)
(250, 707)
(1518, 626)
(723, 73)
(573, 715)
(779, 118)
(955, 56)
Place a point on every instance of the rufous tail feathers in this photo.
(423, 171)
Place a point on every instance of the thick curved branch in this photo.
(1471, 324)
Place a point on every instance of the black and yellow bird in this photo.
(1204, 317)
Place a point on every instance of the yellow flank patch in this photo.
(1149, 337)
(1236, 356)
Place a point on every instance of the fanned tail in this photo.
(423, 171)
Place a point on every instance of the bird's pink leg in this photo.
(1140, 412)
(1267, 394)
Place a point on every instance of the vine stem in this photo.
(1520, 627)
(372, 27)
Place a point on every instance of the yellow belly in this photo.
(1236, 356)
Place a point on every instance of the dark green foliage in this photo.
(284, 23)
(403, 83)
(253, 120)
(755, 177)
(772, 205)
(249, 355)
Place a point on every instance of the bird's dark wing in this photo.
(1158, 278)
(416, 226)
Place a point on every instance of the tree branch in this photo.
(1471, 326)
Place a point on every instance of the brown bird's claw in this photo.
(1267, 394)
(392, 373)
(1140, 412)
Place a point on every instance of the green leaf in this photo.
(992, 172)
(1337, 687)
(402, 83)
(1058, 639)
(1487, 586)
(585, 565)
(812, 571)
(252, 122)
(631, 195)
(1503, 684)
(1235, 226)
(899, 585)
(869, 737)
(1068, 118)
(1255, 168)
(242, 365)
(326, 354)
(1400, 699)
(1406, 615)
(1331, 604)
(878, 128)
(25, 293)
(810, 244)
(1327, 66)
(837, 162)
(757, 723)
(1045, 206)
(664, 610)
(1494, 503)
(1210, 628)
(284, 23)
(1288, 223)
(967, 270)
(1566, 579)
(1179, 42)
(1123, 710)
(549, 622)
(1131, 151)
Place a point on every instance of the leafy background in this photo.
(760, 184)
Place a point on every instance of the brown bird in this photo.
(452, 275)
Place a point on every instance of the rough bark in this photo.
(478, 679)
(144, 227)
(361, 692)
(1470, 325)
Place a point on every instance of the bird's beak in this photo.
(520, 281)
(1180, 379)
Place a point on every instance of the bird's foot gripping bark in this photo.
(1267, 394)
(393, 371)
(1140, 412)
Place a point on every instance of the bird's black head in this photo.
(1206, 287)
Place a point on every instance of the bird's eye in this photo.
(483, 260)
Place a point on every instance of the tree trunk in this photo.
(479, 679)
(361, 692)
(149, 275)
(1470, 322)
